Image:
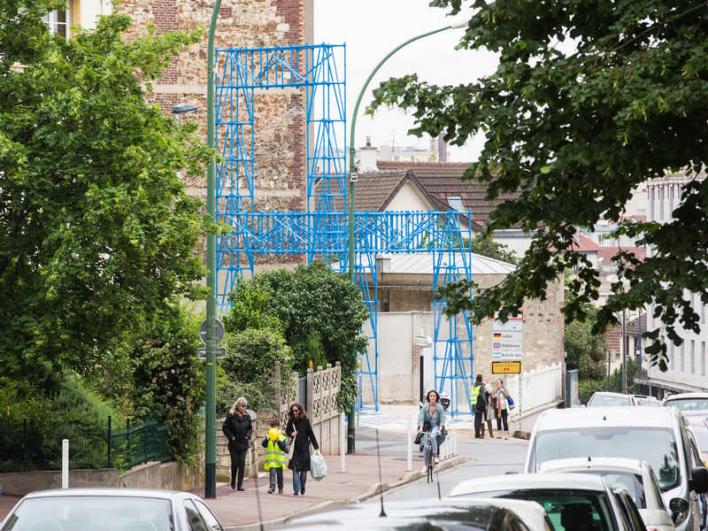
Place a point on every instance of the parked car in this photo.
(688, 401)
(461, 513)
(631, 475)
(110, 510)
(658, 436)
(699, 428)
(607, 399)
(649, 401)
(586, 502)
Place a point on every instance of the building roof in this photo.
(422, 264)
(441, 180)
(584, 244)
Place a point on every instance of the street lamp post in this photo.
(210, 428)
(352, 180)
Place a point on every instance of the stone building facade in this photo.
(280, 114)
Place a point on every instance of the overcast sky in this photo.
(371, 28)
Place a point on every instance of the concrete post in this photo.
(65, 463)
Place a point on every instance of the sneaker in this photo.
(270, 491)
(436, 461)
(241, 489)
(302, 492)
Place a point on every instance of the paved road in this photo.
(490, 457)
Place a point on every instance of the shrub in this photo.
(586, 388)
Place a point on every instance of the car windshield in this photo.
(608, 401)
(648, 402)
(657, 446)
(688, 404)
(97, 513)
(575, 510)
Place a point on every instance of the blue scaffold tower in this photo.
(320, 230)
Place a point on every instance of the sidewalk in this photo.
(239, 510)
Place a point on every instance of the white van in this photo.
(655, 435)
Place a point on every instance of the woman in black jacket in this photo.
(237, 427)
(300, 429)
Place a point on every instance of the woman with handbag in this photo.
(300, 430)
(502, 408)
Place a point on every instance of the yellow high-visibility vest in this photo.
(474, 394)
(274, 457)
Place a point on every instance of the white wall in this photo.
(409, 198)
(688, 363)
(91, 10)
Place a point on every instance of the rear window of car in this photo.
(608, 401)
(566, 508)
(97, 513)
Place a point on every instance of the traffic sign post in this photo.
(202, 353)
(219, 328)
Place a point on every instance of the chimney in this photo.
(367, 157)
(442, 149)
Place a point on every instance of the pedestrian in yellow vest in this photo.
(479, 405)
(276, 447)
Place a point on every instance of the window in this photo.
(455, 202)
(703, 358)
(208, 516)
(661, 203)
(693, 357)
(196, 523)
(682, 358)
(58, 22)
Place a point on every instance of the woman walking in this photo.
(491, 412)
(502, 408)
(431, 419)
(238, 429)
(300, 429)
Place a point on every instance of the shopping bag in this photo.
(291, 448)
(510, 402)
(318, 467)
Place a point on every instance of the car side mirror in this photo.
(699, 480)
(678, 505)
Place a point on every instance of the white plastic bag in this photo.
(318, 467)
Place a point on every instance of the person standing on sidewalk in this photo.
(300, 430)
(502, 408)
(478, 404)
(276, 447)
(238, 429)
(491, 411)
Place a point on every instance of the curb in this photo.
(374, 490)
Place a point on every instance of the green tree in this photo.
(320, 311)
(485, 245)
(585, 351)
(168, 379)
(96, 231)
(589, 100)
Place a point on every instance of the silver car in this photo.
(110, 510)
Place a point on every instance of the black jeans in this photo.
(478, 419)
(505, 419)
(238, 464)
(276, 475)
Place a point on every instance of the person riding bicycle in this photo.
(430, 420)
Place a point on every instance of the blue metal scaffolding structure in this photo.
(320, 231)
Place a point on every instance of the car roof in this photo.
(529, 481)
(106, 492)
(610, 393)
(623, 416)
(366, 515)
(604, 463)
(683, 396)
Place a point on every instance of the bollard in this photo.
(342, 443)
(409, 445)
(65, 463)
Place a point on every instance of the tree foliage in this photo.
(573, 133)
(319, 312)
(485, 245)
(96, 230)
(584, 350)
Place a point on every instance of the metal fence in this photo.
(136, 444)
(25, 446)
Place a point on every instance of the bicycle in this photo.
(428, 451)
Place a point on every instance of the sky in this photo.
(370, 29)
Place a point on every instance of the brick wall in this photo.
(280, 115)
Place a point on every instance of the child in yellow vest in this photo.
(276, 447)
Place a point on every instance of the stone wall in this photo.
(280, 114)
(168, 476)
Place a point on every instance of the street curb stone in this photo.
(374, 490)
